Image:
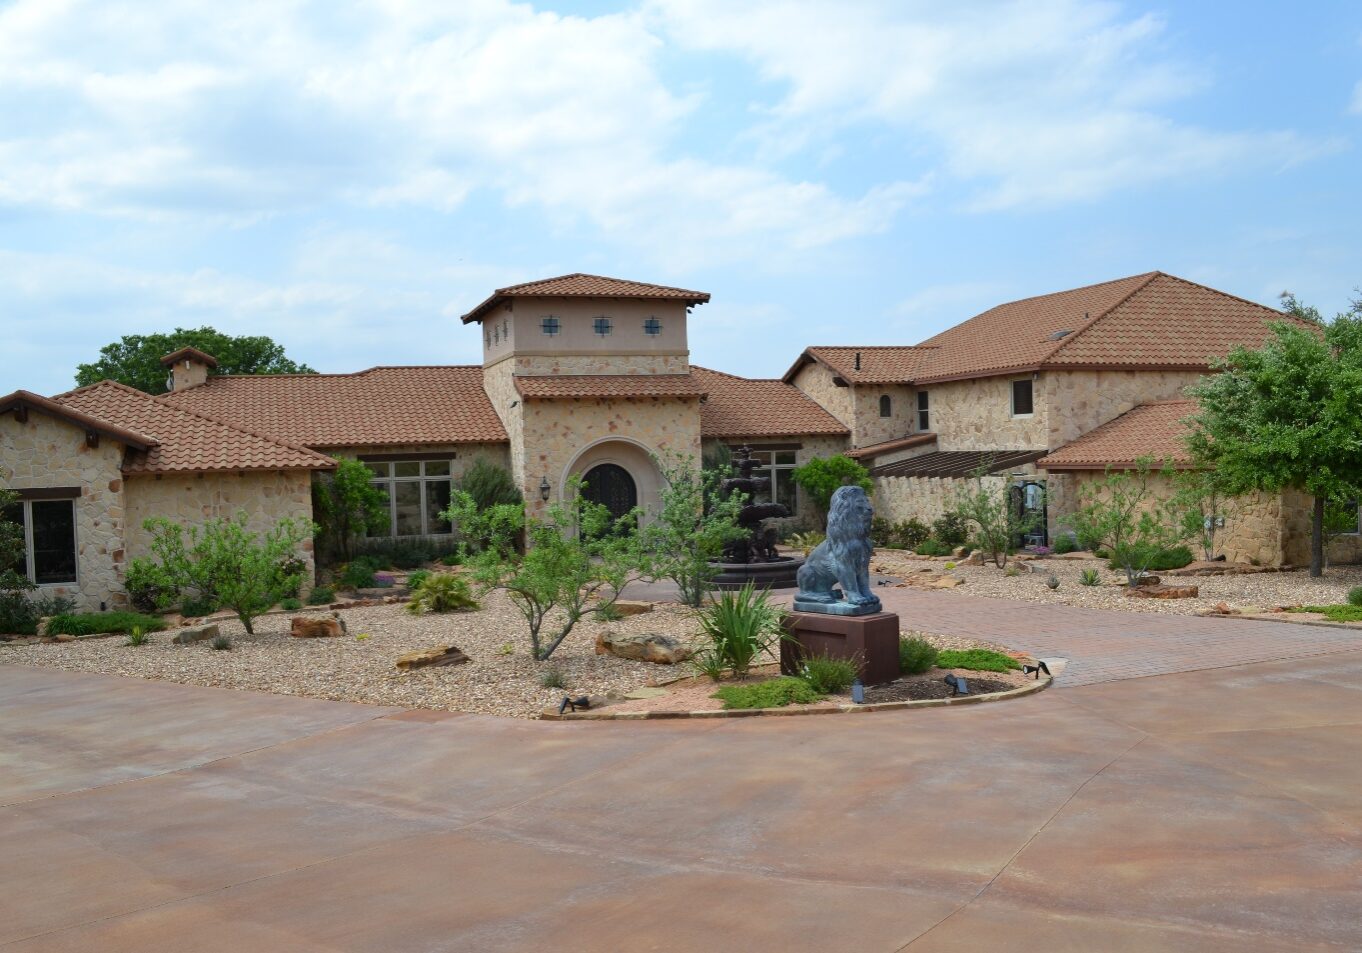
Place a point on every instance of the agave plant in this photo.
(741, 626)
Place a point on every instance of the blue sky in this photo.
(350, 177)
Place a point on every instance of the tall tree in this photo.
(1285, 417)
(135, 359)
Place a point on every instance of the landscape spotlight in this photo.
(574, 704)
(858, 692)
(1036, 669)
(958, 684)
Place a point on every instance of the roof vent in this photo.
(858, 360)
(1059, 334)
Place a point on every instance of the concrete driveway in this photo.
(1214, 810)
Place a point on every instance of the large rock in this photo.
(1163, 592)
(316, 627)
(626, 608)
(946, 582)
(195, 633)
(439, 655)
(644, 647)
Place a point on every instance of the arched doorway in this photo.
(611, 485)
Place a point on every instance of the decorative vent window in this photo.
(652, 327)
(779, 466)
(886, 406)
(418, 491)
(924, 419)
(602, 326)
(550, 326)
(1022, 404)
(49, 534)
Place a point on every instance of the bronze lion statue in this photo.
(842, 559)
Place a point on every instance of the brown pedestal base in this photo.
(872, 639)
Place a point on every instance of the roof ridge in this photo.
(1196, 284)
(1078, 332)
(1147, 275)
(586, 274)
(376, 367)
(737, 377)
(876, 347)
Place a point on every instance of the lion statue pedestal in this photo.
(836, 614)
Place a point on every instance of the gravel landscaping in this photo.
(1265, 590)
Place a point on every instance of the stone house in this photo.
(590, 377)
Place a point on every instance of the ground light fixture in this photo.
(1036, 670)
(858, 692)
(574, 704)
(544, 488)
(958, 684)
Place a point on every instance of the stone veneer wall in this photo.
(570, 364)
(870, 427)
(1079, 401)
(977, 415)
(924, 498)
(815, 380)
(499, 383)
(49, 452)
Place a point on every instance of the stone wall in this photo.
(977, 415)
(49, 452)
(925, 498)
(815, 380)
(554, 365)
(1079, 401)
(499, 383)
(870, 427)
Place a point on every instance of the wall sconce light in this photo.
(544, 488)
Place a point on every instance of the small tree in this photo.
(1122, 513)
(1205, 507)
(497, 528)
(16, 612)
(691, 528)
(489, 485)
(998, 522)
(822, 476)
(348, 505)
(246, 572)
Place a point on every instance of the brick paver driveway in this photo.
(1211, 810)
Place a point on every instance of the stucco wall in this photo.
(518, 329)
(1078, 401)
(48, 452)
(568, 364)
(815, 380)
(977, 415)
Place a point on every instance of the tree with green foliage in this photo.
(1284, 416)
(823, 476)
(998, 522)
(224, 561)
(1123, 513)
(489, 484)
(578, 558)
(1205, 506)
(16, 612)
(347, 505)
(135, 359)
(692, 526)
(497, 528)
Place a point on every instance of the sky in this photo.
(350, 177)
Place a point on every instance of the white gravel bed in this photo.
(359, 667)
(1251, 591)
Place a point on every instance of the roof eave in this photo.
(29, 400)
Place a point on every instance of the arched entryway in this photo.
(610, 485)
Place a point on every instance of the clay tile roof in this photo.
(186, 441)
(879, 364)
(889, 446)
(191, 352)
(383, 406)
(25, 400)
(1144, 321)
(739, 407)
(580, 285)
(957, 463)
(1154, 430)
(609, 385)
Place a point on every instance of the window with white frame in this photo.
(49, 534)
(418, 491)
(1023, 404)
(924, 416)
(778, 465)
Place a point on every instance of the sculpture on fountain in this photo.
(753, 557)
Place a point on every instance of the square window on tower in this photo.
(602, 326)
(550, 326)
(652, 327)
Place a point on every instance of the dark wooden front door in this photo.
(611, 485)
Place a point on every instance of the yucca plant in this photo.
(1090, 577)
(741, 625)
(441, 592)
(137, 636)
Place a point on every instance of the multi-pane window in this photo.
(1022, 405)
(924, 417)
(652, 327)
(778, 465)
(550, 326)
(602, 326)
(886, 406)
(49, 533)
(418, 491)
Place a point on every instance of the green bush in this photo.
(980, 660)
(221, 643)
(290, 605)
(741, 626)
(98, 623)
(1355, 596)
(138, 636)
(416, 577)
(1090, 577)
(910, 533)
(1174, 558)
(820, 477)
(552, 677)
(951, 528)
(359, 573)
(608, 612)
(321, 595)
(933, 547)
(442, 592)
(1348, 613)
(196, 606)
(1064, 543)
(916, 656)
(19, 614)
(489, 484)
(775, 693)
(827, 675)
(451, 559)
(150, 587)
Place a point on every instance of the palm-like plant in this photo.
(741, 625)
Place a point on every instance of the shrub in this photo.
(1355, 596)
(916, 656)
(741, 626)
(1124, 512)
(414, 579)
(347, 505)
(221, 643)
(359, 573)
(775, 693)
(1064, 543)
(552, 677)
(19, 614)
(805, 542)
(1052, 581)
(827, 675)
(151, 587)
(980, 660)
(1011, 572)
(99, 623)
(138, 636)
(451, 559)
(1173, 558)
(321, 595)
(195, 606)
(608, 613)
(823, 476)
(383, 580)
(1041, 550)
(988, 505)
(910, 533)
(693, 527)
(290, 605)
(442, 592)
(1090, 577)
(1348, 613)
(951, 528)
(489, 485)
(932, 547)
(710, 663)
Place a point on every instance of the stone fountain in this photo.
(753, 557)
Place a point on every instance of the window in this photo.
(550, 326)
(1343, 518)
(652, 327)
(602, 326)
(418, 491)
(886, 406)
(1022, 405)
(924, 417)
(49, 531)
(777, 465)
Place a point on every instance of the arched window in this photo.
(886, 406)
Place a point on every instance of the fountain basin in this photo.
(776, 574)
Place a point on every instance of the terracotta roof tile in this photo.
(383, 406)
(878, 365)
(580, 285)
(1155, 430)
(608, 385)
(23, 400)
(186, 441)
(739, 407)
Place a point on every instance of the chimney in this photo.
(188, 367)
(858, 360)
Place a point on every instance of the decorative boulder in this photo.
(644, 647)
(439, 655)
(1163, 592)
(316, 627)
(195, 633)
(947, 582)
(626, 608)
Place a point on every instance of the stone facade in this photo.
(518, 329)
(977, 415)
(815, 380)
(857, 406)
(1079, 401)
(48, 452)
